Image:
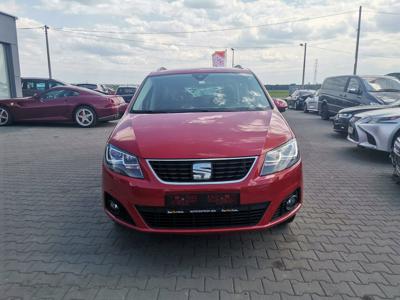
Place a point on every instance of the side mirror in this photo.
(36, 96)
(354, 91)
(282, 109)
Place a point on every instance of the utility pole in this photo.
(315, 71)
(358, 40)
(304, 64)
(48, 50)
(233, 57)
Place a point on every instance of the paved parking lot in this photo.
(56, 242)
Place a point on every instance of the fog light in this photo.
(114, 207)
(291, 202)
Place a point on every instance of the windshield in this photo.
(381, 84)
(200, 92)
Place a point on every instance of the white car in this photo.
(311, 103)
(377, 129)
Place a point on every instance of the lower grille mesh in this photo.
(246, 215)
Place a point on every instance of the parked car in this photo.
(396, 158)
(280, 104)
(33, 85)
(341, 92)
(311, 103)
(342, 118)
(297, 98)
(126, 92)
(63, 104)
(206, 151)
(377, 129)
(395, 75)
(95, 87)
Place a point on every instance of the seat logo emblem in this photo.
(202, 171)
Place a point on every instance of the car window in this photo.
(53, 83)
(54, 94)
(381, 84)
(70, 93)
(201, 92)
(126, 91)
(335, 83)
(353, 84)
(28, 85)
(41, 86)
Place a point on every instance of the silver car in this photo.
(311, 103)
(377, 129)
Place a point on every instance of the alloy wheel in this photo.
(84, 117)
(4, 116)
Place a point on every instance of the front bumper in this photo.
(273, 189)
(340, 124)
(371, 136)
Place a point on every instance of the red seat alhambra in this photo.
(202, 151)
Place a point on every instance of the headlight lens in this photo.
(344, 116)
(281, 158)
(122, 162)
(392, 119)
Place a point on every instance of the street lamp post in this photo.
(304, 63)
(233, 57)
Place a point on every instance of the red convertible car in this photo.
(63, 104)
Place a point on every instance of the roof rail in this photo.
(238, 67)
(161, 69)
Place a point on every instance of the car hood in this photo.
(7, 101)
(361, 108)
(201, 135)
(386, 111)
(387, 97)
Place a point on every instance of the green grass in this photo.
(279, 93)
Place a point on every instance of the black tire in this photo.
(324, 112)
(296, 106)
(394, 140)
(91, 117)
(288, 221)
(305, 108)
(5, 116)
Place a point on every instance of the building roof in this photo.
(8, 15)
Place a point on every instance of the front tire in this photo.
(324, 112)
(85, 116)
(5, 116)
(305, 109)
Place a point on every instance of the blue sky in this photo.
(126, 58)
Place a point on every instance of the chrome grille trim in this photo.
(255, 158)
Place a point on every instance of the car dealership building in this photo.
(10, 77)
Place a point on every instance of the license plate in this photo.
(351, 130)
(202, 200)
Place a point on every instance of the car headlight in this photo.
(392, 119)
(281, 158)
(122, 162)
(344, 115)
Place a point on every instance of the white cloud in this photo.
(121, 57)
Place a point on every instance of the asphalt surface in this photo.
(56, 242)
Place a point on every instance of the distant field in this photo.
(278, 93)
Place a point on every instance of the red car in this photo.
(63, 104)
(280, 104)
(202, 151)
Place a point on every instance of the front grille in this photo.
(180, 171)
(244, 215)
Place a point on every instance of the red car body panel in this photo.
(202, 135)
(61, 109)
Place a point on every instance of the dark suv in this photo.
(32, 85)
(347, 91)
